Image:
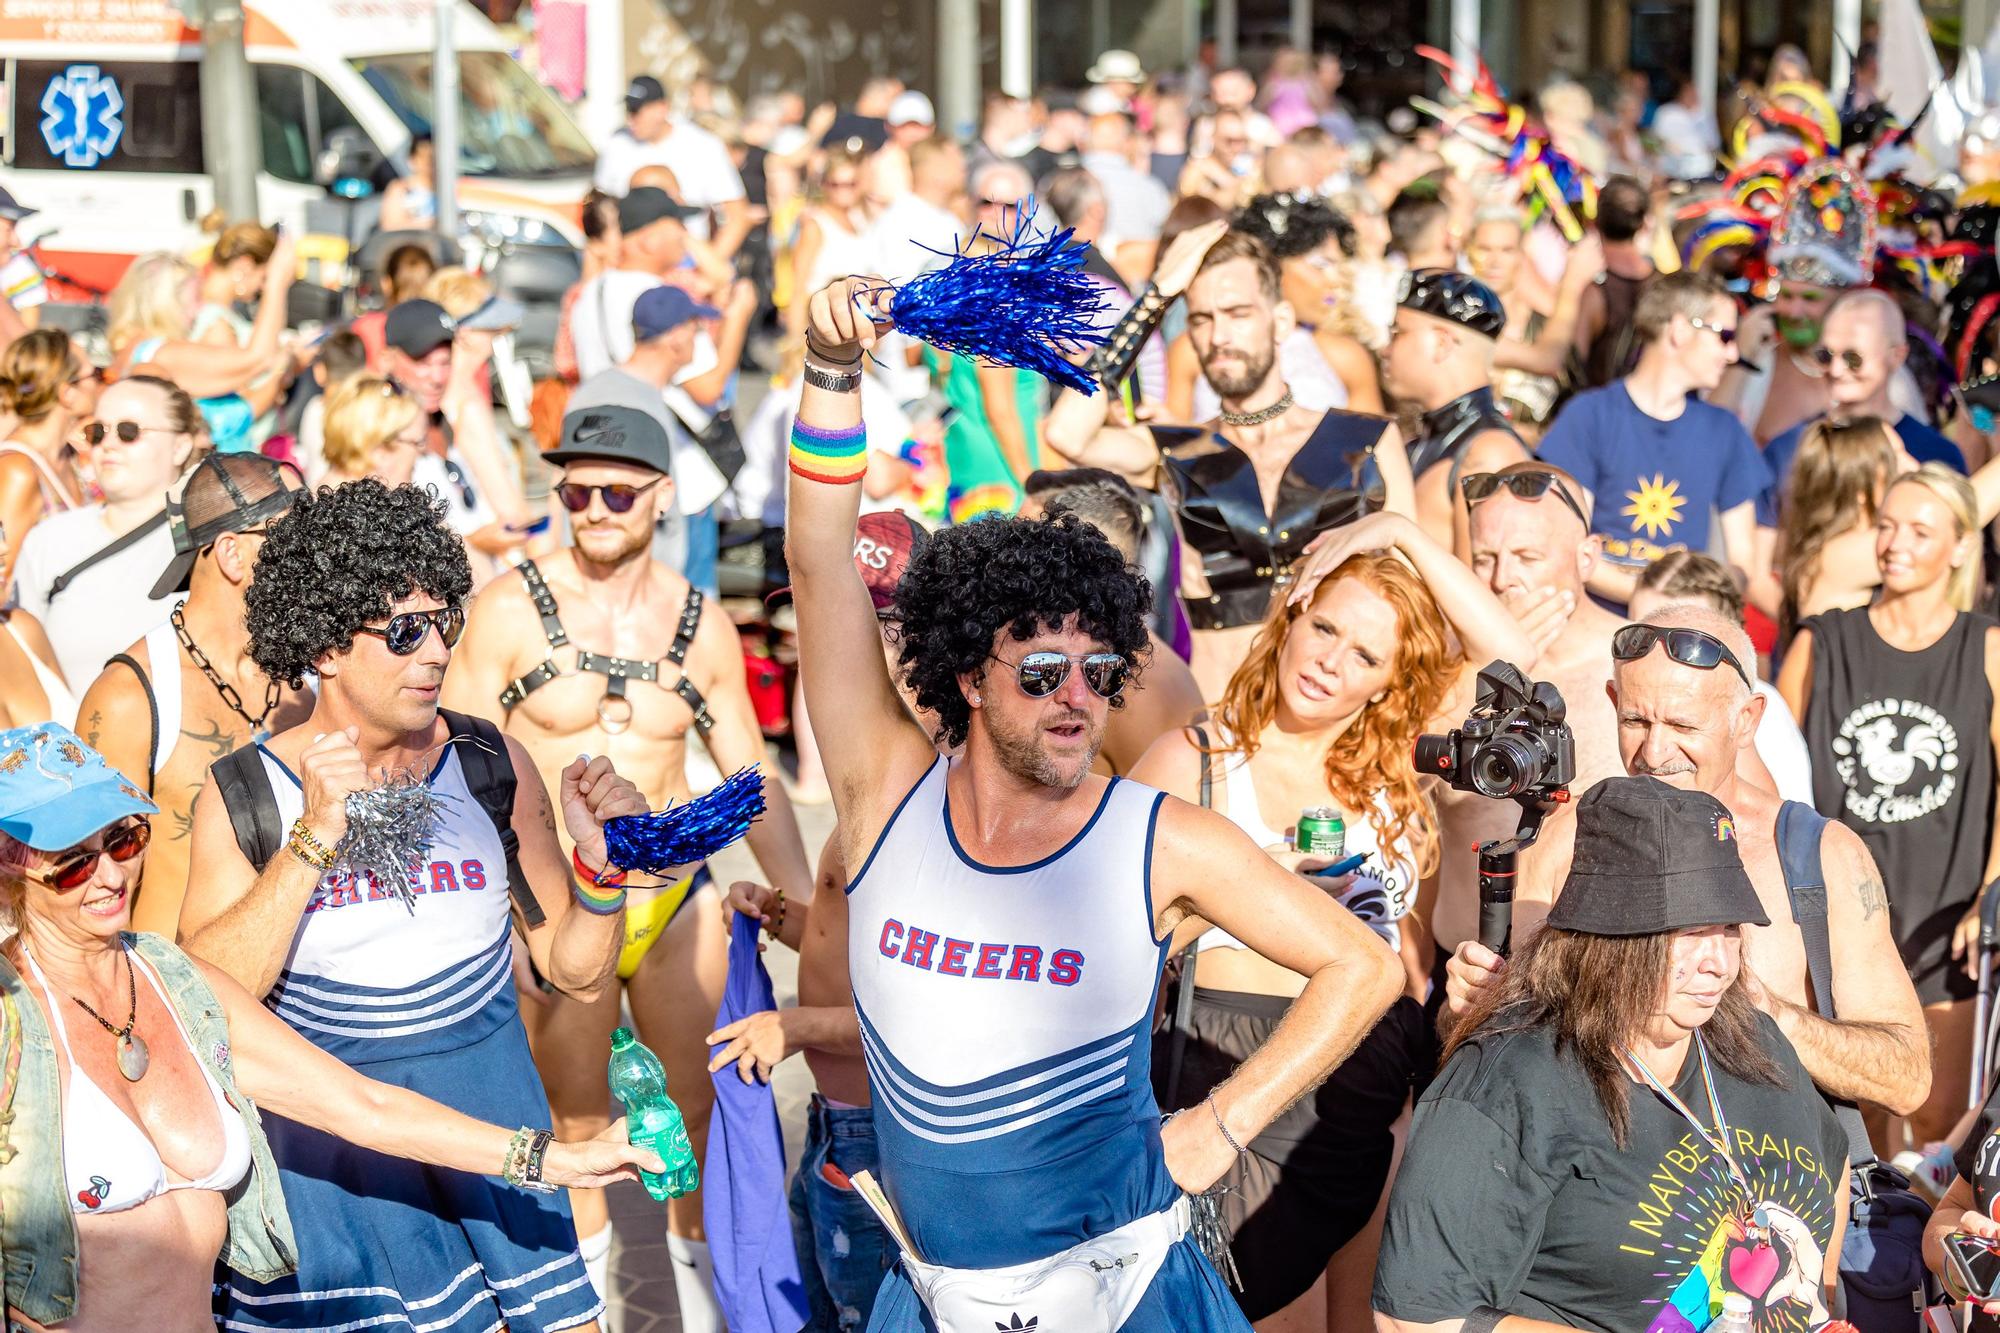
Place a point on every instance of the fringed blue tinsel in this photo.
(687, 833)
(1027, 304)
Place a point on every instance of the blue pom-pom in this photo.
(1026, 304)
(690, 832)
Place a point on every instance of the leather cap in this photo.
(1457, 297)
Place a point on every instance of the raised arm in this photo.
(575, 948)
(866, 738)
(1485, 629)
(1351, 978)
(1878, 1050)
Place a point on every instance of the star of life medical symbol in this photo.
(82, 116)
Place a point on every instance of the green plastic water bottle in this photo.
(651, 1118)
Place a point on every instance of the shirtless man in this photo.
(1686, 725)
(1532, 545)
(1448, 326)
(605, 650)
(1253, 487)
(188, 693)
(1775, 384)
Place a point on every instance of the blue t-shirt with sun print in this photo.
(1657, 484)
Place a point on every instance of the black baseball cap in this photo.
(224, 493)
(1458, 298)
(643, 92)
(647, 204)
(12, 209)
(1651, 859)
(616, 435)
(418, 328)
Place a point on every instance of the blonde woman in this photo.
(47, 388)
(373, 429)
(1899, 695)
(833, 237)
(153, 311)
(1826, 541)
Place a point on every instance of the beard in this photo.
(608, 544)
(1021, 754)
(1256, 369)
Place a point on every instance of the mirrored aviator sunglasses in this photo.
(404, 633)
(1042, 674)
(73, 870)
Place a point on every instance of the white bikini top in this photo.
(62, 704)
(108, 1160)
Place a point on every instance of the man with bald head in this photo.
(1863, 343)
(1685, 711)
(1532, 545)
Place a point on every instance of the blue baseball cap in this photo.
(661, 310)
(55, 791)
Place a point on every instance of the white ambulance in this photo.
(102, 122)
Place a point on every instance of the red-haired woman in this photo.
(1325, 711)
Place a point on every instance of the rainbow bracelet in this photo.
(595, 901)
(836, 457)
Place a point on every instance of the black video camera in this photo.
(1514, 746)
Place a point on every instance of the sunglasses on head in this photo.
(1041, 674)
(1531, 486)
(1826, 356)
(1689, 647)
(619, 497)
(75, 867)
(404, 633)
(128, 432)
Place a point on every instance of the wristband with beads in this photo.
(836, 457)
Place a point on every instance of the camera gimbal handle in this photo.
(1497, 868)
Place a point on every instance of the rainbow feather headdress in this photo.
(1552, 184)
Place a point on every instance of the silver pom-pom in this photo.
(390, 830)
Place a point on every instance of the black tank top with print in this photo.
(1902, 755)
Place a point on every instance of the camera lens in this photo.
(1506, 766)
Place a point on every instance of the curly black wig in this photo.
(1291, 225)
(338, 560)
(1028, 575)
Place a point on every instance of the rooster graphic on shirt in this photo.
(1898, 760)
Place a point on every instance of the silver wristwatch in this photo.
(843, 382)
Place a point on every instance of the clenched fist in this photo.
(593, 792)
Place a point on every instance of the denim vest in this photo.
(38, 1240)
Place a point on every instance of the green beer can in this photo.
(1321, 832)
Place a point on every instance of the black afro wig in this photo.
(1291, 225)
(1027, 575)
(337, 561)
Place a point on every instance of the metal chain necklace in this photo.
(1261, 415)
(132, 1054)
(259, 733)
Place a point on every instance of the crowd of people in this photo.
(1147, 978)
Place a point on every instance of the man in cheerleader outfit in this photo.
(1011, 911)
(364, 587)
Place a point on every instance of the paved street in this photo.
(642, 1297)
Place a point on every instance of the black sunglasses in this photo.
(128, 432)
(1043, 673)
(1478, 486)
(73, 871)
(619, 496)
(404, 633)
(1689, 647)
(1826, 356)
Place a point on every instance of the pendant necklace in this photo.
(132, 1056)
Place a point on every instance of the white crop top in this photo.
(1382, 891)
(109, 1161)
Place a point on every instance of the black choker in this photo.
(1261, 415)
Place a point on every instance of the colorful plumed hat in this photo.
(1824, 233)
(1552, 184)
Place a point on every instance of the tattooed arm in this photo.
(1878, 1049)
(114, 720)
(576, 950)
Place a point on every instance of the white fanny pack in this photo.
(1092, 1287)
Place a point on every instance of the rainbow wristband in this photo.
(835, 457)
(596, 901)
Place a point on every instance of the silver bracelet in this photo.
(846, 382)
(1216, 1111)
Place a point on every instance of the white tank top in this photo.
(1006, 1016)
(1383, 890)
(370, 979)
(842, 252)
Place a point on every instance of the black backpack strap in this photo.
(1799, 831)
(1184, 985)
(245, 787)
(489, 776)
(152, 711)
(103, 553)
(1207, 766)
